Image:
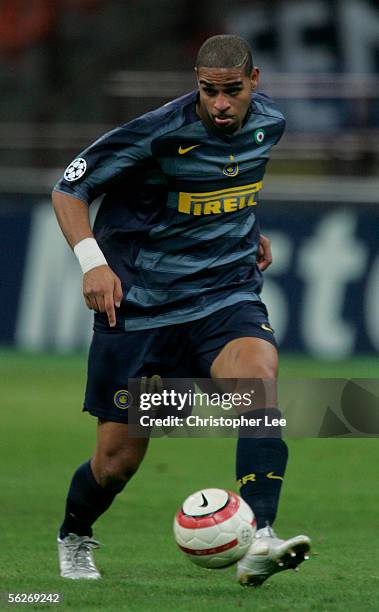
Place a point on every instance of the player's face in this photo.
(225, 96)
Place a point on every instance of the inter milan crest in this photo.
(231, 168)
(75, 170)
(259, 136)
(122, 399)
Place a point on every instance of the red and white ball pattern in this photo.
(214, 528)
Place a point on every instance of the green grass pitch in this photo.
(330, 493)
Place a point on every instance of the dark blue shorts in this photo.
(186, 350)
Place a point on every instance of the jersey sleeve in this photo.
(279, 130)
(107, 160)
(267, 107)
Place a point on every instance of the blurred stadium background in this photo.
(71, 69)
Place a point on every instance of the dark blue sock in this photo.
(261, 463)
(86, 501)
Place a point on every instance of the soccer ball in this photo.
(214, 528)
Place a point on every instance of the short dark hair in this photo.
(225, 51)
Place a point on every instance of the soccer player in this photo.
(173, 271)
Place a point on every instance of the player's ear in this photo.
(254, 78)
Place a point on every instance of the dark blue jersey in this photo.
(177, 222)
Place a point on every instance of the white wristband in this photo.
(89, 254)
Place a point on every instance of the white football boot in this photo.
(268, 555)
(76, 557)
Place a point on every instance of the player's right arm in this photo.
(103, 165)
(102, 288)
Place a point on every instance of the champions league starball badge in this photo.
(75, 170)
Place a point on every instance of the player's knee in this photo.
(258, 384)
(246, 358)
(264, 371)
(115, 472)
(254, 372)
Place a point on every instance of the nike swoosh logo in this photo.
(205, 501)
(273, 477)
(266, 328)
(184, 150)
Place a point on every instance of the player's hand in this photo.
(264, 257)
(102, 291)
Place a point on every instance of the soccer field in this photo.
(330, 493)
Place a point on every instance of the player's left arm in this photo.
(264, 256)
